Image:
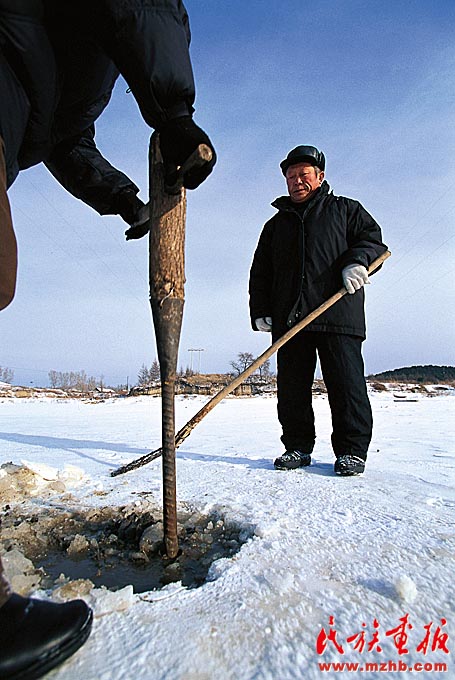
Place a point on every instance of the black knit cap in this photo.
(303, 154)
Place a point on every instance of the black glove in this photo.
(133, 211)
(127, 204)
(179, 137)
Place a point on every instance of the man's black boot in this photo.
(290, 460)
(349, 465)
(36, 636)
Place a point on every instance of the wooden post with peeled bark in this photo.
(167, 282)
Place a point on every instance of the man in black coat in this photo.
(316, 243)
(59, 61)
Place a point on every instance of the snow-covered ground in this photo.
(367, 551)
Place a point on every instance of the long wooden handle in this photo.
(186, 430)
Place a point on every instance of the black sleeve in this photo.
(260, 283)
(147, 41)
(149, 44)
(79, 167)
(185, 20)
(364, 237)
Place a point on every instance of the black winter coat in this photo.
(60, 59)
(299, 258)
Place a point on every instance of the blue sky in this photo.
(370, 83)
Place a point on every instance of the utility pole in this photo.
(199, 359)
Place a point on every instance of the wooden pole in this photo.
(167, 279)
(167, 296)
(186, 430)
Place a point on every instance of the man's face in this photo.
(302, 181)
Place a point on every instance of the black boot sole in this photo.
(291, 466)
(349, 473)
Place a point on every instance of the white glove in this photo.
(354, 277)
(264, 323)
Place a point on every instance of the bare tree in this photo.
(53, 378)
(244, 359)
(76, 380)
(6, 374)
(264, 370)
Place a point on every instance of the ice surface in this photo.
(324, 552)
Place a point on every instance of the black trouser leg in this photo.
(296, 367)
(343, 373)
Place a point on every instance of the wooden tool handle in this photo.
(203, 154)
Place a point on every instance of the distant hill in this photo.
(418, 374)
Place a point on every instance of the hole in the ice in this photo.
(115, 547)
